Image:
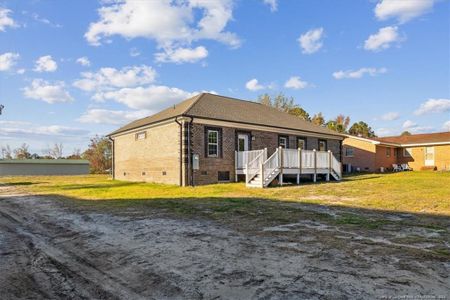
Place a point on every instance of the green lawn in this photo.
(414, 192)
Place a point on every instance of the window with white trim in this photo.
(407, 152)
(141, 135)
(283, 142)
(349, 152)
(301, 142)
(213, 143)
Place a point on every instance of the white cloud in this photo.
(446, 126)
(84, 61)
(253, 85)
(182, 55)
(383, 39)
(40, 19)
(134, 52)
(153, 97)
(355, 74)
(272, 3)
(409, 124)
(111, 78)
(403, 10)
(45, 64)
(296, 83)
(29, 129)
(390, 116)
(112, 117)
(170, 23)
(21, 71)
(311, 41)
(8, 60)
(434, 106)
(385, 131)
(48, 92)
(5, 19)
(415, 128)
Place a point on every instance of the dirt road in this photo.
(58, 248)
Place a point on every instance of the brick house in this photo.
(419, 151)
(209, 139)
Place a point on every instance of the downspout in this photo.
(190, 169)
(181, 150)
(113, 171)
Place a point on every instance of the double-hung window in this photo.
(322, 145)
(301, 143)
(349, 152)
(213, 143)
(283, 142)
(388, 152)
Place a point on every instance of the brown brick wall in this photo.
(363, 154)
(209, 167)
(148, 159)
(382, 160)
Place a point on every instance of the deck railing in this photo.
(299, 161)
(244, 157)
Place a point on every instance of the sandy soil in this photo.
(59, 249)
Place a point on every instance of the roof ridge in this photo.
(199, 96)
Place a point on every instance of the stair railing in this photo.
(253, 167)
(269, 166)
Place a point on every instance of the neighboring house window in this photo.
(213, 143)
(395, 152)
(301, 143)
(322, 145)
(141, 136)
(349, 152)
(283, 142)
(407, 152)
(388, 152)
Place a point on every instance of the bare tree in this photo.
(22, 152)
(7, 152)
(55, 152)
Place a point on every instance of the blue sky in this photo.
(73, 69)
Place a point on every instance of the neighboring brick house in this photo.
(196, 141)
(419, 151)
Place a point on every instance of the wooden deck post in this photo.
(235, 166)
(299, 160)
(246, 173)
(315, 165)
(329, 165)
(265, 154)
(280, 156)
(261, 166)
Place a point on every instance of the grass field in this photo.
(412, 192)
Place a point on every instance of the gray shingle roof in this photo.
(223, 108)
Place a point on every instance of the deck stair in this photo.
(260, 171)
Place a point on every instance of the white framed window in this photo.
(283, 142)
(301, 143)
(141, 135)
(213, 143)
(349, 152)
(322, 145)
(407, 152)
(388, 152)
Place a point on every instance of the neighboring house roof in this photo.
(215, 107)
(426, 138)
(45, 161)
(409, 140)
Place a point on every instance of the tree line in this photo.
(340, 123)
(98, 154)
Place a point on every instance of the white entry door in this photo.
(243, 142)
(429, 156)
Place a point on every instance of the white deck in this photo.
(260, 171)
